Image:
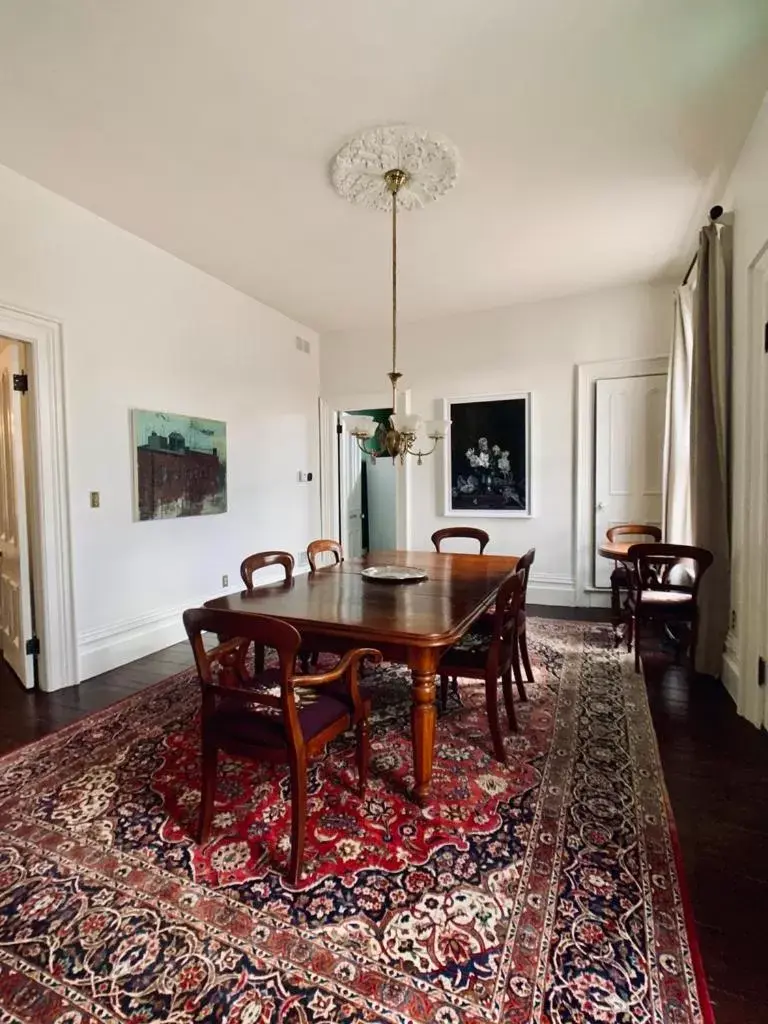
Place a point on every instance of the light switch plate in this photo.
(95, 499)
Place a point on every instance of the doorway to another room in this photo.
(18, 521)
(367, 493)
(629, 444)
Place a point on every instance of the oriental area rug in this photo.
(544, 891)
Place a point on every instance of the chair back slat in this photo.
(323, 546)
(461, 532)
(524, 566)
(633, 530)
(263, 559)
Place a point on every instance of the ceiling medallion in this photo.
(429, 160)
(391, 169)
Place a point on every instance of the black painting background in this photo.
(503, 422)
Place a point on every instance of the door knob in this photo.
(600, 507)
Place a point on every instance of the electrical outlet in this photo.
(225, 581)
(303, 560)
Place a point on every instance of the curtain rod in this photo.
(714, 214)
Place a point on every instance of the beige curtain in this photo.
(676, 513)
(710, 390)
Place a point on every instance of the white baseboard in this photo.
(549, 588)
(100, 650)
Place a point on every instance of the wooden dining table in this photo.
(336, 609)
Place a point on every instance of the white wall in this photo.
(747, 196)
(143, 330)
(533, 347)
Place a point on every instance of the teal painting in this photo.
(181, 465)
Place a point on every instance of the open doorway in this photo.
(18, 519)
(367, 493)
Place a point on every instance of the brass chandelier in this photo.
(399, 436)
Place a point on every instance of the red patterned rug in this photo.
(545, 891)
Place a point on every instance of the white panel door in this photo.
(629, 442)
(15, 589)
(351, 493)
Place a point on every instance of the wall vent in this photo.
(302, 344)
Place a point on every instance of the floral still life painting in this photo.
(180, 465)
(488, 457)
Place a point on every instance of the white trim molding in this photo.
(54, 598)
(552, 589)
(587, 374)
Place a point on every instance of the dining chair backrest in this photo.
(509, 603)
(263, 559)
(670, 567)
(461, 532)
(524, 566)
(639, 530)
(223, 670)
(319, 547)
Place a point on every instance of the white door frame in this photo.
(583, 540)
(54, 598)
(746, 643)
(329, 484)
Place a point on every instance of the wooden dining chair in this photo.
(461, 532)
(319, 547)
(664, 587)
(488, 655)
(262, 560)
(620, 576)
(272, 715)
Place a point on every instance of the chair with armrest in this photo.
(272, 715)
(664, 587)
(488, 655)
(461, 532)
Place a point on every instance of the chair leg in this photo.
(517, 670)
(444, 680)
(506, 683)
(363, 753)
(492, 709)
(298, 766)
(630, 631)
(636, 631)
(523, 640)
(258, 658)
(304, 659)
(207, 791)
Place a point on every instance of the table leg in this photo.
(423, 664)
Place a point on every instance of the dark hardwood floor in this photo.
(715, 766)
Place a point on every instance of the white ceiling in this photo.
(593, 135)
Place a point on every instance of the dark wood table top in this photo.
(339, 601)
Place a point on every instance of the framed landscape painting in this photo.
(180, 465)
(488, 456)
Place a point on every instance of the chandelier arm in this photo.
(375, 453)
(420, 454)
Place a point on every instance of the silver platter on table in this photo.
(394, 574)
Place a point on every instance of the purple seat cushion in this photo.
(266, 727)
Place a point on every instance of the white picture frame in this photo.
(496, 482)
